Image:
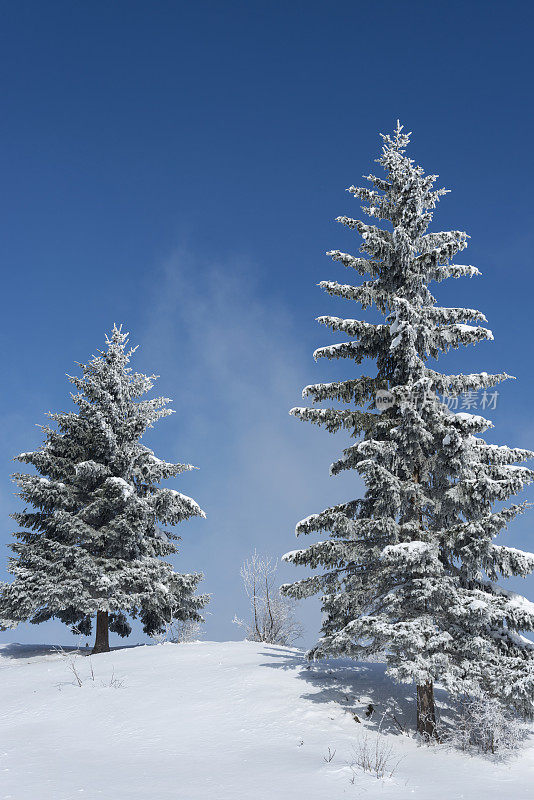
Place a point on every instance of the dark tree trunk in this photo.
(426, 711)
(102, 633)
(426, 707)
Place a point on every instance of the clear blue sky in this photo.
(177, 166)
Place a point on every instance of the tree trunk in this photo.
(426, 711)
(102, 633)
(426, 706)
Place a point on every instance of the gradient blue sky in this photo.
(178, 166)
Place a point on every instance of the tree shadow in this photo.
(15, 650)
(360, 689)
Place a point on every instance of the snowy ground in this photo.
(219, 721)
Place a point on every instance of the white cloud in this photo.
(231, 356)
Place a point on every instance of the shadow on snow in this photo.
(361, 689)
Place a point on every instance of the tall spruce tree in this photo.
(410, 570)
(92, 543)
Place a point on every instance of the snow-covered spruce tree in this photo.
(410, 569)
(92, 544)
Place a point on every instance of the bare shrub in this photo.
(179, 631)
(72, 662)
(272, 617)
(113, 682)
(486, 726)
(329, 757)
(375, 755)
(70, 658)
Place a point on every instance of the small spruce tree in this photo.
(93, 543)
(410, 570)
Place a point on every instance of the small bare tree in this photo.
(179, 631)
(272, 615)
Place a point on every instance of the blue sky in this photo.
(178, 166)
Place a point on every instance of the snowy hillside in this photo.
(220, 721)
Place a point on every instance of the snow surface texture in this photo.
(220, 721)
